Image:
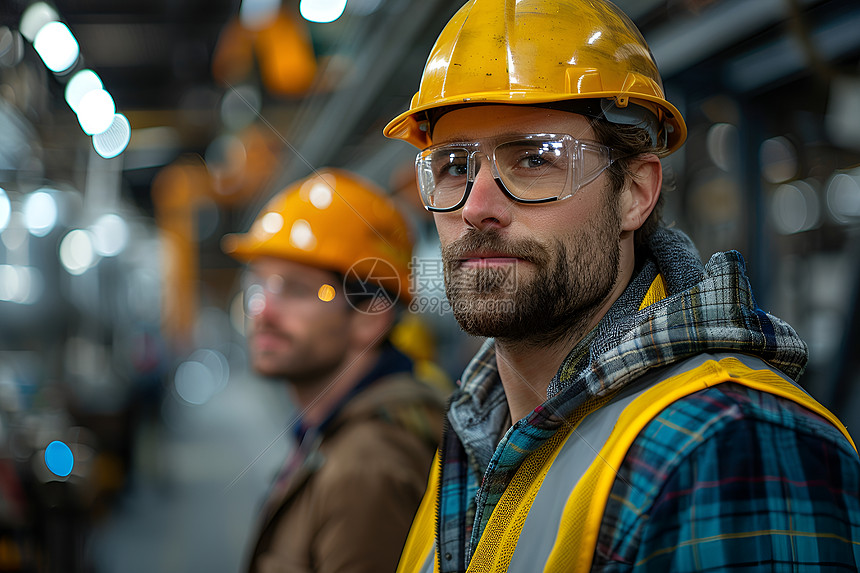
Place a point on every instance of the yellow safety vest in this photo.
(515, 538)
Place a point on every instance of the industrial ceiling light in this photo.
(57, 47)
(96, 111)
(34, 19)
(113, 141)
(322, 11)
(80, 85)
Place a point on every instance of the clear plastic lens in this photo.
(445, 176)
(535, 168)
(594, 158)
(283, 292)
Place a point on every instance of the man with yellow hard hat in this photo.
(631, 409)
(327, 264)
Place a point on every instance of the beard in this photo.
(558, 301)
(303, 364)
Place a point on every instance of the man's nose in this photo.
(487, 205)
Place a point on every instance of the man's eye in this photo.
(532, 161)
(456, 170)
(296, 290)
(542, 158)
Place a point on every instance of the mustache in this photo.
(491, 240)
(268, 331)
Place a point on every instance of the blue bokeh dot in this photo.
(59, 458)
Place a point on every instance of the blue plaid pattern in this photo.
(730, 479)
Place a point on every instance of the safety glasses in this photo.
(535, 168)
(286, 293)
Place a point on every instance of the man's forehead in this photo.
(491, 121)
(285, 267)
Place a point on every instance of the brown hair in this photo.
(628, 142)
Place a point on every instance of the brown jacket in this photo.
(347, 505)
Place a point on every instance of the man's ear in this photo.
(641, 191)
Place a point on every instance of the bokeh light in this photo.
(113, 141)
(10, 283)
(302, 236)
(795, 208)
(322, 11)
(59, 458)
(80, 84)
(77, 254)
(255, 300)
(722, 144)
(216, 364)
(34, 19)
(202, 376)
(240, 106)
(19, 284)
(40, 213)
(320, 195)
(192, 383)
(57, 47)
(5, 209)
(256, 14)
(96, 111)
(843, 197)
(272, 222)
(326, 293)
(109, 234)
(15, 235)
(778, 158)
(11, 47)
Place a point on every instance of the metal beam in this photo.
(686, 41)
(786, 57)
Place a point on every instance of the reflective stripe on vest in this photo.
(530, 525)
(418, 554)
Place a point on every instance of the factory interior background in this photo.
(133, 437)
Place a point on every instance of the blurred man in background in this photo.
(327, 266)
(632, 409)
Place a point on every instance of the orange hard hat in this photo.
(334, 220)
(531, 52)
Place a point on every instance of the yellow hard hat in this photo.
(532, 52)
(334, 220)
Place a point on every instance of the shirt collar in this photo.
(390, 361)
